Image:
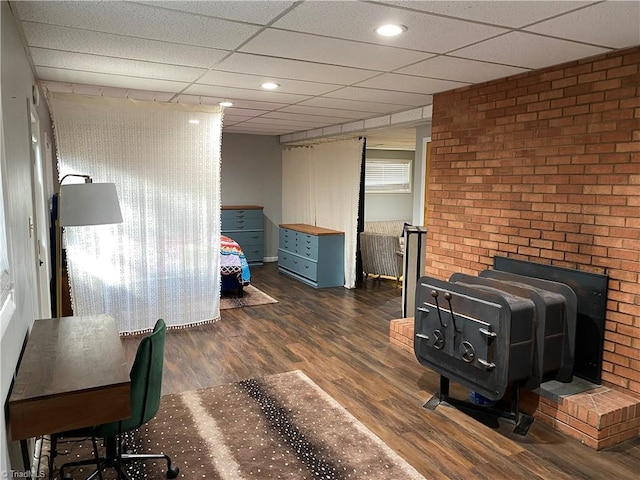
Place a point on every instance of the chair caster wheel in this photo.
(173, 472)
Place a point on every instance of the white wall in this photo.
(389, 206)
(423, 135)
(16, 81)
(251, 174)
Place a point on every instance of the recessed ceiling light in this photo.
(270, 85)
(194, 122)
(390, 30)
(226, 104)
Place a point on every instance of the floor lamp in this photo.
(82, 204)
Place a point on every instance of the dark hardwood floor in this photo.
(340, 339)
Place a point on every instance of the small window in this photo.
(388, 176)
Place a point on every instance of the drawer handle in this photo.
(240, 227)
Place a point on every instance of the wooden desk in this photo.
(73, 374)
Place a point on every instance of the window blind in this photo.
(388, 176)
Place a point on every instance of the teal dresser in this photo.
(245, 225)
(313, 255)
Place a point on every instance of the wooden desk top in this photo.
(73, 374)
(310, 229)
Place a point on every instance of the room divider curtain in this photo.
(320, 186)
(163, 260)
(298, 186)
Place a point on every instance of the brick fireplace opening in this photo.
(545, 167)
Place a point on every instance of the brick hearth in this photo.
(599, 417)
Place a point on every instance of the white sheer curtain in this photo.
(163, 260)
(320, 186)
(298, 186)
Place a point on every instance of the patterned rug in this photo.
(277, 427)
(251, 298)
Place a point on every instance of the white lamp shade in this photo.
(88, 204)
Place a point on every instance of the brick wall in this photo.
(545, 166)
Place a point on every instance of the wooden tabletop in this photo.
(310, 229)
(73, 374)
(241, 207)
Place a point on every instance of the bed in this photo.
(234, 269)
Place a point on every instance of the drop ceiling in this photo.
(333, 69)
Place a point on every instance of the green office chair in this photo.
(146, 383)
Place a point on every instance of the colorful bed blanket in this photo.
(233, 261)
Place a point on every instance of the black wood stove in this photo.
(495, 332)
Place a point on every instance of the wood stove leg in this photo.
(441, 396)
(523, 421)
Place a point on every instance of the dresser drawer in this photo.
(241, 214)
(254, 253)
(246, 239)
(301, 266)
(306, 240)
(242, 224)
(288, 236)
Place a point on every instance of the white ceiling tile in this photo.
(114, 66)
(243, 112)
(239, 93)
(302, 117)
(241, 80)
(290, 123)
(353, 126)
(407, 83)
(237, 103)
(359, 20)
(514, 13)
(460, 69)
(255, 130)
(338, 103)
(407, 116)
(318, 132)
(261, 12)
(139, 20)
(83, 41)
(302, 46)
(336, 112)
(614, 24)
(332, 130)
(381, 96)
(299, 136)
(71, 76)
(528, 50)
(234, 119)
(378, 121)
(296, 69)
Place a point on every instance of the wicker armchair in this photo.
(381, 245)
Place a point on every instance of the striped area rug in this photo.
(277, 427)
